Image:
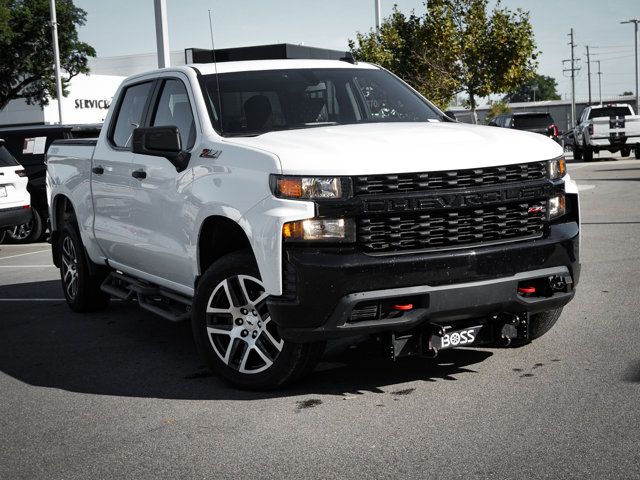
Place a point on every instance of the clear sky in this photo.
(123, 27)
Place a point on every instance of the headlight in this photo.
(557, 168)
(310, 188)
(320, 229)
(557, 207)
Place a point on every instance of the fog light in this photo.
(557, 207)
(320, 229)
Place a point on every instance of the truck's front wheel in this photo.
(234, 332)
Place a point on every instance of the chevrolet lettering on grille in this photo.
(443, 201)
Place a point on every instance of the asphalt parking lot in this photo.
(122, 393)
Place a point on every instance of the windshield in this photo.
(609, 112)
(262, 101)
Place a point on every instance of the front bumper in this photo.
(323, 287)
(10, 217)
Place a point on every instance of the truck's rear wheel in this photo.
(541, 323)
(587, 155)
(81, 289)
(637, 152)
(625, 152)
(577, 153)
(234, 332)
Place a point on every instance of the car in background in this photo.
(612, 127)
(536, 122)
(28, 143)
(15, 200)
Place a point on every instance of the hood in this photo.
(380, 148)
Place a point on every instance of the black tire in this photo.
(637, 153)
(3, 234)
(250, 341)
(625, 152)
(29, 232)
(541, 323)
(84, 295)
(587, 155)
(577, 153)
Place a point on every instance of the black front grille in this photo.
(392, 233)
(476, 177)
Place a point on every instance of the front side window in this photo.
(174, 109)
(130, 113)
(252, 103)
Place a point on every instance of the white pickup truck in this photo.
(278, 204)
(607, 127)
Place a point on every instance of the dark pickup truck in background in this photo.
(28, 144)
(536, 122)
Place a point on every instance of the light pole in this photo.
(162, 33)
(56, 55)
(378, 15)
(635, 22)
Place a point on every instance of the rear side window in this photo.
(533, 121)
(130, 113)
(174, 109)
(6, 159)
(609, 112)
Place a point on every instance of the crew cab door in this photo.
(111, 180)
(163, 220)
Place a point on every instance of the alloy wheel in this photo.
(239, 327)
(69, 268)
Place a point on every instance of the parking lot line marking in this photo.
(23, 254)
(28, 266)
(32, 299)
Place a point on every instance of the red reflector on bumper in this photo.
(526, 289)
(403, 308)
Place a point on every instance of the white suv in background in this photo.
(14, 198)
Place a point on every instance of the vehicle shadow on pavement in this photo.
(125, 351)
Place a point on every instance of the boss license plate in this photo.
(456, 338)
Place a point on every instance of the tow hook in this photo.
(514, 327)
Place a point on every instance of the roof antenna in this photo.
(215, 67)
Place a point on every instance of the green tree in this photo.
(540, 87)
(626, 92)
(497, 108)
(26, 51)
(423, 51)
(455, 46)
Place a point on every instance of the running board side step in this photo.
(165, 303)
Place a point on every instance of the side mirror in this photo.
(161, 142)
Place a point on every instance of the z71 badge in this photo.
(208, 153)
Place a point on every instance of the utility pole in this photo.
(635, 21)
(378, 16)
(589, 73)
(573, 71)
(599, 81)
(56, 56)
(162, 33)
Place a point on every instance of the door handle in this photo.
(98, 170)
(139, 174)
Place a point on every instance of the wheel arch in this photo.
(219, 236)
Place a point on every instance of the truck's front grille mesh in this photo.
(476, 177)
(450, 229)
